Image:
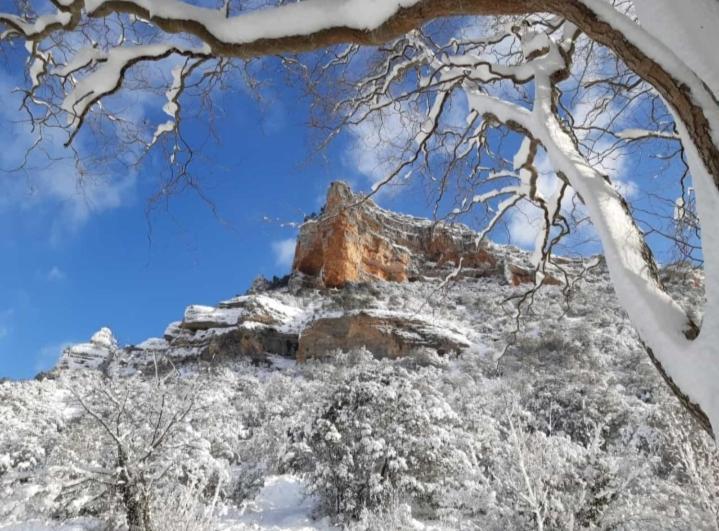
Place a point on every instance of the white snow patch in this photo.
(280, 505)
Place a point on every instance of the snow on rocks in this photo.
(199, 317)
(238, 310)
(301, 318)
(261, 309)
(96, 354)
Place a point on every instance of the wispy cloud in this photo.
(525, 224)
(377, 145)
(56, 274)
(46, 181)
(284, 251)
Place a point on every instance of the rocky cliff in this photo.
(98, 353)
(355, 246)
(354, 240)
(295, 377)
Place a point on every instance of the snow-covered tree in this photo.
(133, 445)
(383, 433)
(511, 71)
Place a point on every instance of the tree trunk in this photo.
(134, 497)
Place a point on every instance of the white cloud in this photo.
(49, 183)
(525, 223)
(56, 274)
(378, 143)
(59, 195)
(284, 251)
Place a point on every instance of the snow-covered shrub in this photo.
(562, 408)
(383, 432)
(268, 409)
(33, 421)
(426, 357)
(394, 515)
(696, 468)
(185, 507)
(24, 445)
(596, 439)
(550, 481)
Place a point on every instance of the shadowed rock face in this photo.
(254, 344)
(356, 241)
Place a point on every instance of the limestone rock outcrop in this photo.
(244, 327)
(386, 335)
(354, 240)
(254, 308)
(98, 353)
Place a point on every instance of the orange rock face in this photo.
(354, 240)
(518, 275)
(344, 244)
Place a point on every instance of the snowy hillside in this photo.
(424, 404)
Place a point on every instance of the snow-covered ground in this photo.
(280, 505)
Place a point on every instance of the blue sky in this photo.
(75, 260)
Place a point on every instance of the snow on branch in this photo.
(643, 134)
(108, 76)
(35, 29)
(180, 73)
(300, 18)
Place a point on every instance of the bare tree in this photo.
(512, 74)
(141, 431)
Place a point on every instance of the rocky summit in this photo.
(352, 243)
(354, 240)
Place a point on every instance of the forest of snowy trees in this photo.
(573, 428)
